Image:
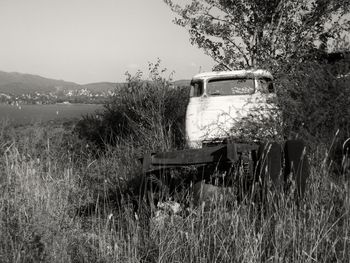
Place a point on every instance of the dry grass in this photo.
(43, 183)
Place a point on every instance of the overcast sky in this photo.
(94, 40)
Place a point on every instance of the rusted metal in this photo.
(227, 153)
(241, 163)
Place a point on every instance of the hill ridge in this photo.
(17, 83)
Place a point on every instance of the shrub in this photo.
(314, 101)
(147, 113)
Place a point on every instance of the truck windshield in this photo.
(196, 88)
(232, 86)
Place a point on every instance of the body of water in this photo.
(23, 114)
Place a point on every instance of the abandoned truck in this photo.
(215, 156)
(218, 100)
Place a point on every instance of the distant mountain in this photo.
(102, 86)
(182, 82)
(19, 83)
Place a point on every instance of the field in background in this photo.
(24, 114)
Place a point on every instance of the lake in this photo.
(23, 114)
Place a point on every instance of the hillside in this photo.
(182, 82)
(101, 86)
(19, 83)
(15, 83)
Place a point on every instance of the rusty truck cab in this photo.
(219, 99)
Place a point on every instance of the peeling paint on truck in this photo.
(219, 99)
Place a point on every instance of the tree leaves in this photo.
(252, 33)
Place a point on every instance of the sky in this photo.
(88, 41)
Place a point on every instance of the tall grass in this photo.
(42, 189)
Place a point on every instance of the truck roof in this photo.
(234, 73)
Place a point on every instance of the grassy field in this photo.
(26, 114)
(60, 203)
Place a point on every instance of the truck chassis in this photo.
(231, 164)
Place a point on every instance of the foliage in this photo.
(312, 104)
(255, 33)
(140, 112)
(292, 39)
(314, 101)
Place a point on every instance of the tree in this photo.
(252, 33)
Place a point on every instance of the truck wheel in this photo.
(270, 163)
(296, 164)
(346, 157)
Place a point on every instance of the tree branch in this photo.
(239, 49)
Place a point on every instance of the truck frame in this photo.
(218, 157)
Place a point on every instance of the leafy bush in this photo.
(148, 113)
(314, 101)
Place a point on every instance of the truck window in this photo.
(230, 86)
(196, 89)
(266, 85)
